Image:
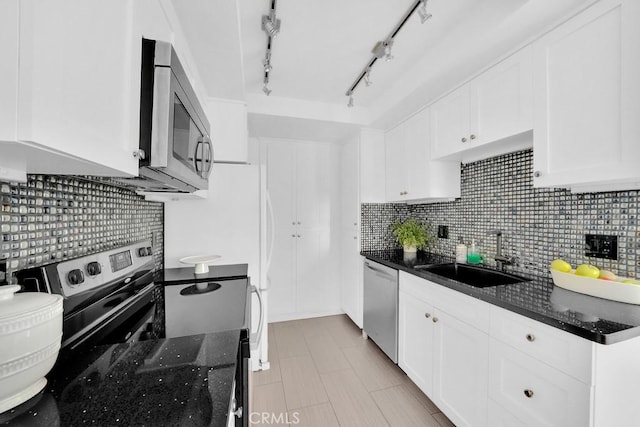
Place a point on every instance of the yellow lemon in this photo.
(561, 265)
(588, 270)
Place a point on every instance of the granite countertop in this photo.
(596, 319)
(174, 276)
(184, 381)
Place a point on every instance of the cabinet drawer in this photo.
(500, 417)
(539, 394)
(561, 350)
(464, 308)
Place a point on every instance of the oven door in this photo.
(179, 139)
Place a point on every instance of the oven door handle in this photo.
(104, 319)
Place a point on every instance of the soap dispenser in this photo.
(461, 251)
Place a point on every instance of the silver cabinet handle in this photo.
(293, 235)
(427, 315)
(435, 319)
(537, 174)
(463, 139)
(528, 393)
(293, 223)
(355, 223)
(298, 222)
(472, 137)
(355, 237)
(531, 337)
(140, 154)
(298, 235)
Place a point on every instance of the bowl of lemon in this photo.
(591, 280)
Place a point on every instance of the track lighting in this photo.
(367, 78)
(382, 49)
(422, 11)
(270, 24)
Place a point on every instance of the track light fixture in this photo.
(271, 26)
(422, 11)
(367, 78)
(382, 49)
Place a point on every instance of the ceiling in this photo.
(324, 45)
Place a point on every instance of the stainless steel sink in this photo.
(478, 277)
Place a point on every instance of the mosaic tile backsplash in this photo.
(53, 218)
(538, 225)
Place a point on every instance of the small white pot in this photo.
(30, 336)
(410, 249)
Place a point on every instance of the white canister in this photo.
(30, 336)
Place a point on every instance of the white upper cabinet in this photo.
(450, 123)
(502, 100)
(488, 115)
(8, 69)
(587, 99)
(228, 130)
(75, 68)
(410, 172)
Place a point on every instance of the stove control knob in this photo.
(93, 268)
(75, 277)
(142, 252)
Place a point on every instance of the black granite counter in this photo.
(184, 381)
(596, 319)
(174, 276)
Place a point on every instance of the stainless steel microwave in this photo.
(175, 154)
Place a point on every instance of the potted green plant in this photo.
(412, 235)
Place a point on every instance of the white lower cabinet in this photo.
(415, 353)
(460, 378)
(536, 392)
(445, 357)
(486, 366)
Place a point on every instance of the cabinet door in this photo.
(281, 276)
(9, 31)
(537, 393)
(280, 157)
(395, 165)
(416, 155)
(502, 100)
(79, 89)
(587, 97)
(315, 170)
(461, 362)
(315, 287)
(450, 123)
(415, 341)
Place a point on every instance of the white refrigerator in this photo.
(229, 223)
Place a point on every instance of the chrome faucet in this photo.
(501, 260)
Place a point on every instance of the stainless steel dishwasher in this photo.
(381, 306)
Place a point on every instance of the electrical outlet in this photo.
(443, 231)
(601, 246)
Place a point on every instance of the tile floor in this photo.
(324, 374)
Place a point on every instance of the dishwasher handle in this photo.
(378, 271)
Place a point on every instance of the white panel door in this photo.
(415, 341)
(313, 167)
(316, 288)
(416, 155)
(450, 123)
(461, 362)
(587, 97)
(502, 100)
(395, 148)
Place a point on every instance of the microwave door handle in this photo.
(197, 159)
(208, 162)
